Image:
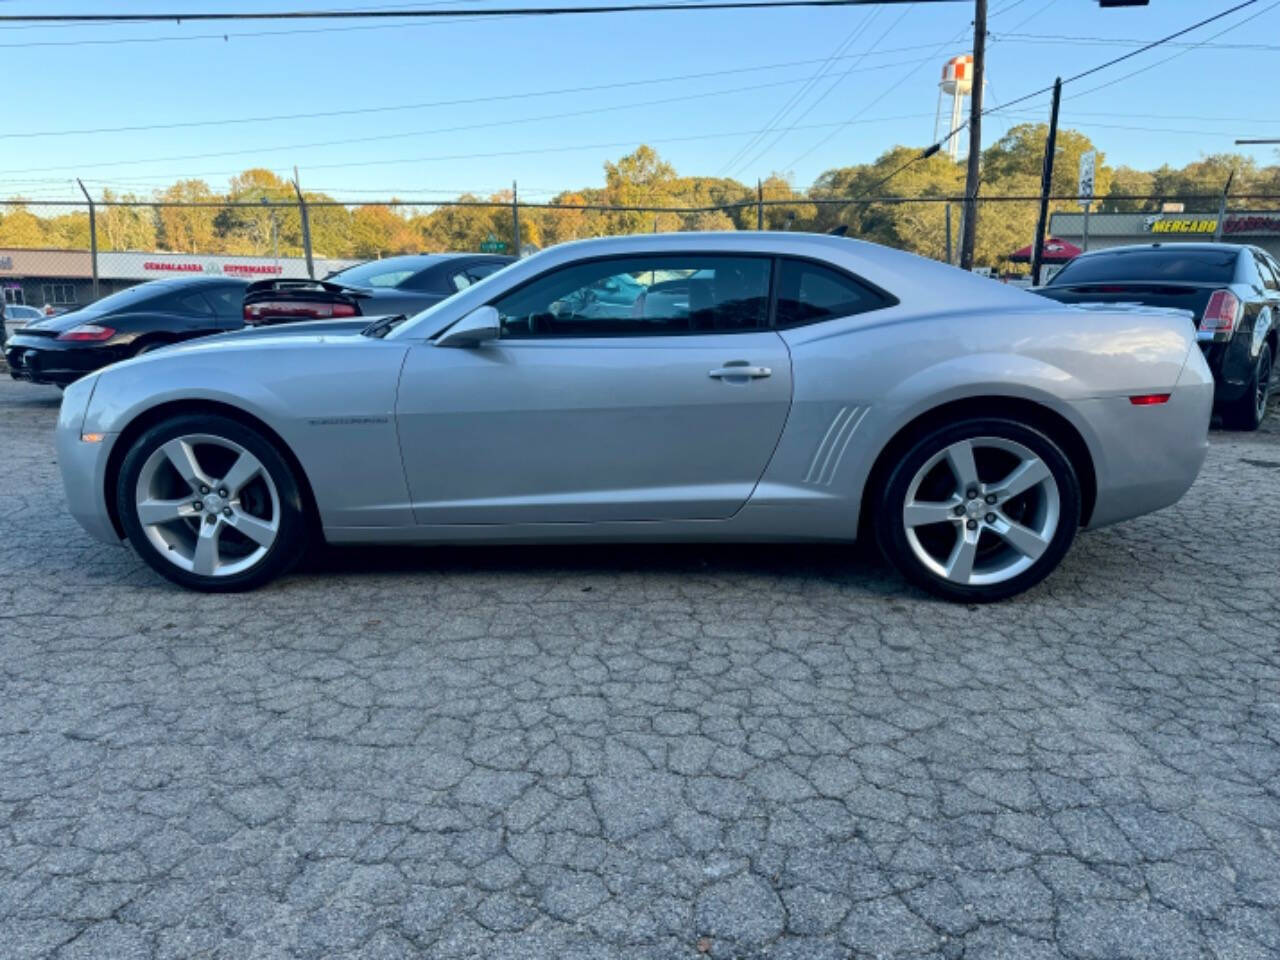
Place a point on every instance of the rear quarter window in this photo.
(809, 293)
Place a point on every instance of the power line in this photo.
(884, 93)
(1033, 14)
(795, 98)
(412, 133)
(224, 37)
(206, 16)
(822, 96)
(1158, 63)
(1085, 73)
(464, 101)
(1133, 53)
(1131, 127)
(1054, 39)
(530, 151)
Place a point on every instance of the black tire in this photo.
(291, 538)
(150, 345)
(890, 525)
(1250, 409)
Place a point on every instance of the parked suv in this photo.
(1232, 291)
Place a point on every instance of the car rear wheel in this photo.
(1248, 412)
(979, 510)
(211, 504)
(149, 346)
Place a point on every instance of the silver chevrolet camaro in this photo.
(678, 387)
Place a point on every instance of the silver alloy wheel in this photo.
(185, 512)
(987, 545)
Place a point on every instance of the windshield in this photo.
(1190, 266)
(390, 272)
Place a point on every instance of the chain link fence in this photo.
(58, 255)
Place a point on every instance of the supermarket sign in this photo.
(1252, 223)
(214, 268)
(154, 266)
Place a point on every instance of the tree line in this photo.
(1011, 167)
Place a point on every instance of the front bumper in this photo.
(43, 360)
(1147, 457)
(84, 465)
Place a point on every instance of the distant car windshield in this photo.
(381, 273)
(1190, 266)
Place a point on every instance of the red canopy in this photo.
(1055, 251)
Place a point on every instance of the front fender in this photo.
(331, 401)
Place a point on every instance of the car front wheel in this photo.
(979, 510)
(211, 504)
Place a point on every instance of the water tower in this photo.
(957, 83)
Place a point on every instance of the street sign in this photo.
(492, 244)
(1087, 162)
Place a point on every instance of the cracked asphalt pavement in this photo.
(651, 752)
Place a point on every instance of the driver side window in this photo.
(641, 296)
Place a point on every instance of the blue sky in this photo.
(737, 72)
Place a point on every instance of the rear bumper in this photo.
(1149, 456)
(38, 360)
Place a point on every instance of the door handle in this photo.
(739, 368)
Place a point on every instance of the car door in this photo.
(580, 414)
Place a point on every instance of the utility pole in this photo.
(306, 225)
(947, 210)
(515, 220)
(1046, 184)
(970, 223)
(759, 204)
(1222, 208)
(93, 238)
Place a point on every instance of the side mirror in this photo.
(477, 327)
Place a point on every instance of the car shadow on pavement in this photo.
(845, 563)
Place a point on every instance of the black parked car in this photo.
(397, 285)
(65, 347)
(1233, 291)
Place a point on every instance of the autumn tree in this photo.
(125, 227)
(1127, 182)
(258, 223)
(21, 228)
(1020, 153)
(188, 229)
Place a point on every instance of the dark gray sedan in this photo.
(395, 285)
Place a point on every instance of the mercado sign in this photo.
(1158, 224)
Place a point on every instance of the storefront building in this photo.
(1258, 227)
(64, 278)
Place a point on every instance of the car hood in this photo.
(286, 336)
(337, 327)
